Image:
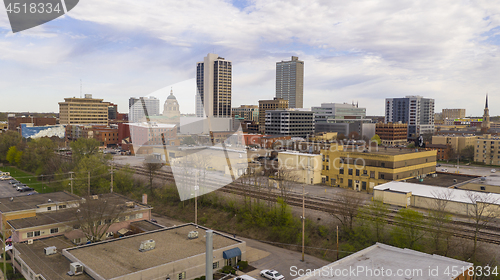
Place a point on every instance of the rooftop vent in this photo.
(75, 268)
(50, 250)
(193, 234)
(147, 245)
(11, 199)
(49, 200)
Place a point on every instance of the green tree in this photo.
(123, 179)
(467, 153)
(7, 140)
(100, 177)
(84, 147)
(11, 155)
(377, 139)
(411, 145)
(408, 230)
(375, 213)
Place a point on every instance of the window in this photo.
(62, 206)
(382, 164)
(365, 172)
(29, 234)
(215, 265)
(341, 171)
(350, 171)
(327, 167)
(357, 172)
(363, 186)
(483, 188)
(54, 230)
(381, 176)
(49, 208)
(349, 183)
(372, 174)
(77, 240)
(181, 275)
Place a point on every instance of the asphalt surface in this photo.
(269, 256)
(6, 190)
(471, 170)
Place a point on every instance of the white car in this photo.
(272, 275)
(493, 170)
(444, 169)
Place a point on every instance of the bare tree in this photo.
(96, 214)
(152, 165)
(376, 213)
(440, 218)
(346, 208)
(482, 210)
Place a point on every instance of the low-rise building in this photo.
(392, 133)
(457, 142)
(246, 112)
(170, 253)
(443, 151)
(384, 261)
(265, 105)
(363, 168)
(15, 122)
(300, 167)
(487, 150)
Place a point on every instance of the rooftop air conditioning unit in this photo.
(193, 234)
(147, 245)
(50, 250)
(95, 197)
(75, 269)
(30, 241)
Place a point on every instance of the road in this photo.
(464, 169)
(265, 256)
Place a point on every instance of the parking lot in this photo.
(6, 190)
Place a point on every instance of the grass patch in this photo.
(28, 179)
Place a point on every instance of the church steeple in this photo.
(485, 126)
(486, 106)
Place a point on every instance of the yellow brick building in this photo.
(83, 111)
(487, 150)
(362, 170)
(457, 143)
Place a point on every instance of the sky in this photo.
(353, 51)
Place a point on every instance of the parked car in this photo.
(244, 277)
(271, 275)
(438, 165)
(493, 170)
(13, 182)
(20, 187)
(26, 189)
(444, 169)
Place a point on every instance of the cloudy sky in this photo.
(353, 51)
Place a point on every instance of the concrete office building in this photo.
(363, 127)
(213, 84)
(289, 122)
(264, 105)
(139, 109)
(246, 112)
(338, 111)
(452, 114)
(290, 81)
(392, 133)
(86, 110)
(416, 111)
(362, 170)
(456, 142)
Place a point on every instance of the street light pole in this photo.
(303, 219)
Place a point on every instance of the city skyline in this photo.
(446, 51)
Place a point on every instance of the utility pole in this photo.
(89, 185)
(303, 219)
(4, 250)
(112, 177)
(337, 242)
(71, 180)
(196, 187)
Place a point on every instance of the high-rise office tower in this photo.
(416, 111)
(290, 81)
(142, 107)
(213, 83)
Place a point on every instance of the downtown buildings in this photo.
(416, 111)
(142, 108)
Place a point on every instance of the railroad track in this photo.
(459, 229)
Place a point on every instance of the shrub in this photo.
(243, 265)
(228, 270)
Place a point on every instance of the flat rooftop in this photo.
(68, 215)
(146, 225)
(384, 151)
(33, 201)
(443, 179)
(411, 264)
(456, 195)
(121, 256)
(51, 267)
